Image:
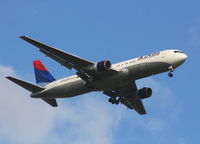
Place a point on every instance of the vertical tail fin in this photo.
(42, 74)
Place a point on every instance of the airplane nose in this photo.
(179, 59)
(184, 57)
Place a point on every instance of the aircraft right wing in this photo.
(66, 59)
(69, 60)
(128, 96)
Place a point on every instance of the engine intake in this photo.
(103, 65)
(145, 92)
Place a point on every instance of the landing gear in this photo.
(110, 100)
(113, 101)
(171, 70)
(170, 74)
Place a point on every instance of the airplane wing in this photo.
(69, 60)
(128, 97)
(66, 59)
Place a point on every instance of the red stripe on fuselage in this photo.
(38, 65)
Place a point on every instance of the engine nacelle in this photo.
(103, 65)
(144, 93)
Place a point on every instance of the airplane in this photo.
(115, 80)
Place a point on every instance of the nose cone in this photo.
(183, 57)
(180, 59)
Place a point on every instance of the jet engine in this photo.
(103, 65)
(144, 93)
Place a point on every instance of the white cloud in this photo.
(85, 119)
(195, 34)
(93, 121)
(163, 109)
(88, 119)
(22, 118)
(155, 125)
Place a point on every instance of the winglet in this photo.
(33, 42)
(24, 37)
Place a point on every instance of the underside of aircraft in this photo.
(115, 80)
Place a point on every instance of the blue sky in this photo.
(97, 30)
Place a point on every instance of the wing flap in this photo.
(58, 59)
(138, 106)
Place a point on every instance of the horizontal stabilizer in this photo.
(52, 102)
(28, 86)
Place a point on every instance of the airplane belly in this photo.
(112, 81)
(65, 91)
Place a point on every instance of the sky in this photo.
(97, 30)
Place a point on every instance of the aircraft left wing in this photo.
(66, 59)
(128, 96)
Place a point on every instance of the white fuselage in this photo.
(129, 70)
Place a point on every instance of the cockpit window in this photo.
(178, 51)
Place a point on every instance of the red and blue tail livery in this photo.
(42, 74)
